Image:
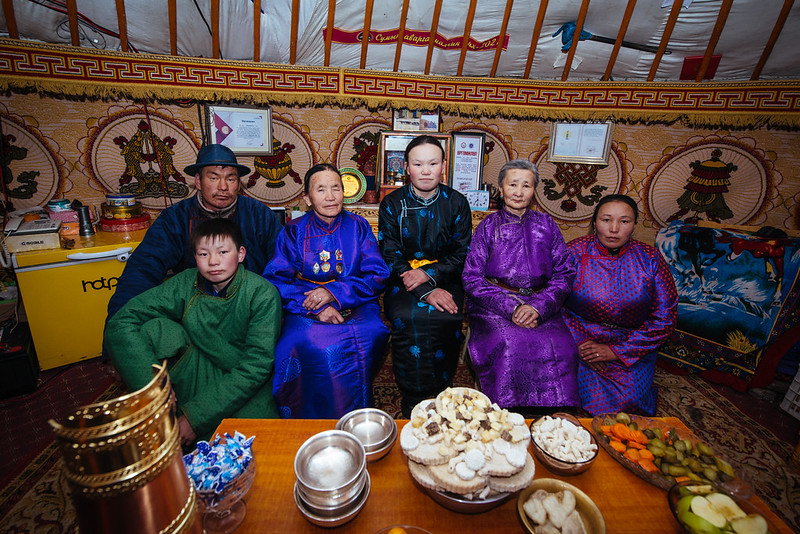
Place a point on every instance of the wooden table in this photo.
(628, 503)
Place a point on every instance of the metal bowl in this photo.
(346, 514)
(377, 454)
(374, 428)
(590, 514)
(336, 507)
(458, 503)
(557, 465)
(329, 466)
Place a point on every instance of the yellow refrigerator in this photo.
(65, 293)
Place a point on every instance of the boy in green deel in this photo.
(217, 326)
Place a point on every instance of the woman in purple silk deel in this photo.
(517, 275)
(623, 307)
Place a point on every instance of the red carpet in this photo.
(24, 418)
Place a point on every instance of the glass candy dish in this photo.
(222, 478)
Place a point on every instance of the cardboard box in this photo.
(34, 235)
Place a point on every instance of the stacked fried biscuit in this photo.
(462, 443)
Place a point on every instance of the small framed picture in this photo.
(415, 120)
(581, 142)
(466, 160)
(246, 131)
(391, 156)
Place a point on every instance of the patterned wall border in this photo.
(77, 71)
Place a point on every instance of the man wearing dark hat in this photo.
(165, 249)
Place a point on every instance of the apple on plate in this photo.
(749, 524)
(717, 513)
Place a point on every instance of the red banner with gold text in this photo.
(412, 37)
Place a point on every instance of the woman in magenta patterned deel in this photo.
(622, 308)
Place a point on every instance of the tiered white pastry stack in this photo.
(460, 442)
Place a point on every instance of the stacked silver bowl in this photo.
(332, 480)
(374, 428)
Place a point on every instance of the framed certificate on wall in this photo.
(466, 160)
(588, 142)
(246, 131)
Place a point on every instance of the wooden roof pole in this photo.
(401, 35)
(295, 31)
(724, 10)
(11, 19)
(72, 13)
(173, 27)
(437, 10)
(256, 30)
(365, 33)
(662, 46)
(623, 28)
(215, 29)
(329, 34)
(574, 46)
(501, 38)
(776, 31)
(122, 22)
(465, 38)
(537, 30)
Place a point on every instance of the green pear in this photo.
(697, 525)
(702, 507)
(751, 524)
(725, 505)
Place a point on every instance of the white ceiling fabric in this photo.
(746, 32)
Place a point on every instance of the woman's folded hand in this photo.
(317, 298)
(330, 315)
(442, 300)
(414, 278)
(525, 316)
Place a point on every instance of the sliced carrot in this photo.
(621, 432)
(639, 437)
(633, 445)
(632, 455)
(646, 455)
(648, 465)
(605, 429)
(618, 446)
(682, 479)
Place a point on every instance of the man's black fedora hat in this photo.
(216, 155)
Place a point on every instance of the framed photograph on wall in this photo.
(246, 131)
(466, 160)
(416, 120)
(588, 142)
(391, 156)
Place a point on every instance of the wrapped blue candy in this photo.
(216, 464)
